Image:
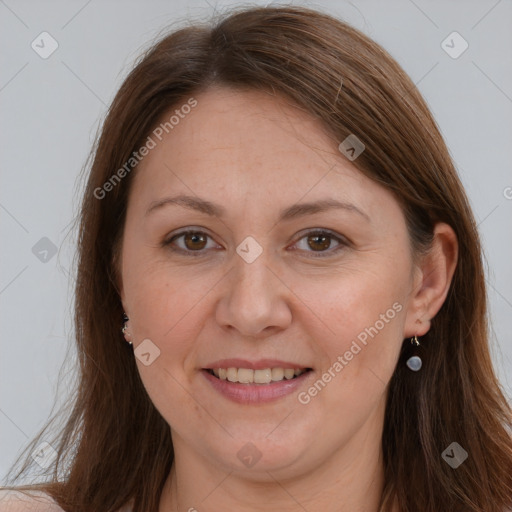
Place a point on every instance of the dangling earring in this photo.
(126, 334)
(414, 363)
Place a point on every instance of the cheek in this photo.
(164, 297)
(357, 330)
(170, 309)
(358, 361)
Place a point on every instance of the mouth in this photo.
(262, 377)
(249, 386)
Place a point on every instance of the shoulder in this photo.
(35, 501)
(27, 501)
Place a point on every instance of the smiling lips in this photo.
(250, 382)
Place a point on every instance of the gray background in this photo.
(51, 109)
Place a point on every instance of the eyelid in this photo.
(333, 234)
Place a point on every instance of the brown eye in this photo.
(194, 241)
(320, 242)
(190, 242)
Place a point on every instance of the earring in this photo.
(414, 363)
(127, 335)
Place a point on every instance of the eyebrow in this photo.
(292, 212)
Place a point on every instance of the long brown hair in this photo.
(115, 446)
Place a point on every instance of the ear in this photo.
(431, 281)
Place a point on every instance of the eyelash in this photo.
(319, 254)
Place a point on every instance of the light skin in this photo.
(254, 155)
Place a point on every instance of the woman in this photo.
(274, 221)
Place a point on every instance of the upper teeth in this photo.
(248, 376)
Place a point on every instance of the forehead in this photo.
(248, 145)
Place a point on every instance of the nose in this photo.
(254, 301)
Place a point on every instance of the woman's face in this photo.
(259, 288)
